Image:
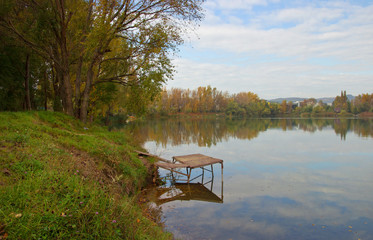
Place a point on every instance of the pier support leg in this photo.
(190, 172)
(222, 181)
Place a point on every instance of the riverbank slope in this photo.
(62, 179)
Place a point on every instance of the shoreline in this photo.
(362, 115)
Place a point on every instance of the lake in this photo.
(282, 179)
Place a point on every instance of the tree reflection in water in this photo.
(208, 132)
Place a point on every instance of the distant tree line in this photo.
(248, 104)
(211, 100)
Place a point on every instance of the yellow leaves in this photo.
(16, 215)
(138, 220)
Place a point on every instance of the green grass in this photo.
(61, 179)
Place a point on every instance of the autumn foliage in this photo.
(248, 104)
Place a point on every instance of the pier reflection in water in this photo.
(185, 192)
(201, 189)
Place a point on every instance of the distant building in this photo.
(297, 103)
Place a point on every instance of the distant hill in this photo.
(327, 99)
(295, 99)
(288, 99)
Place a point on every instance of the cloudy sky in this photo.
(278, 48)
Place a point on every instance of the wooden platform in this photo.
(197, 160)
(188, 162)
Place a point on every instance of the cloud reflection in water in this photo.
(292, 184)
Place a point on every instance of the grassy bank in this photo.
(61, 179)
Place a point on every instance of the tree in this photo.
(284, 107)
(340, 103)
(233, 109)
(100, 41)
(12, 89)
(245, 98)
(19, 75)
(362, 103)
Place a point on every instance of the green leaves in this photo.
(86, 43)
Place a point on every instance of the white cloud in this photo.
(307, 14)
(239, 4)
(271, 79)
(311, 37)
(316, 51)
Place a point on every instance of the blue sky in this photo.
(278, 48)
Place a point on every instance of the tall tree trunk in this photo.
(57, 107)
(63, 56)
(87, 90)
(88, 86)
(78, 82)
(27, 84)
(45, 90)
(67, 97)
(67, 93)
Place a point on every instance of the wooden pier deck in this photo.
(188, 162)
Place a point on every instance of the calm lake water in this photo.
(283, 178)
